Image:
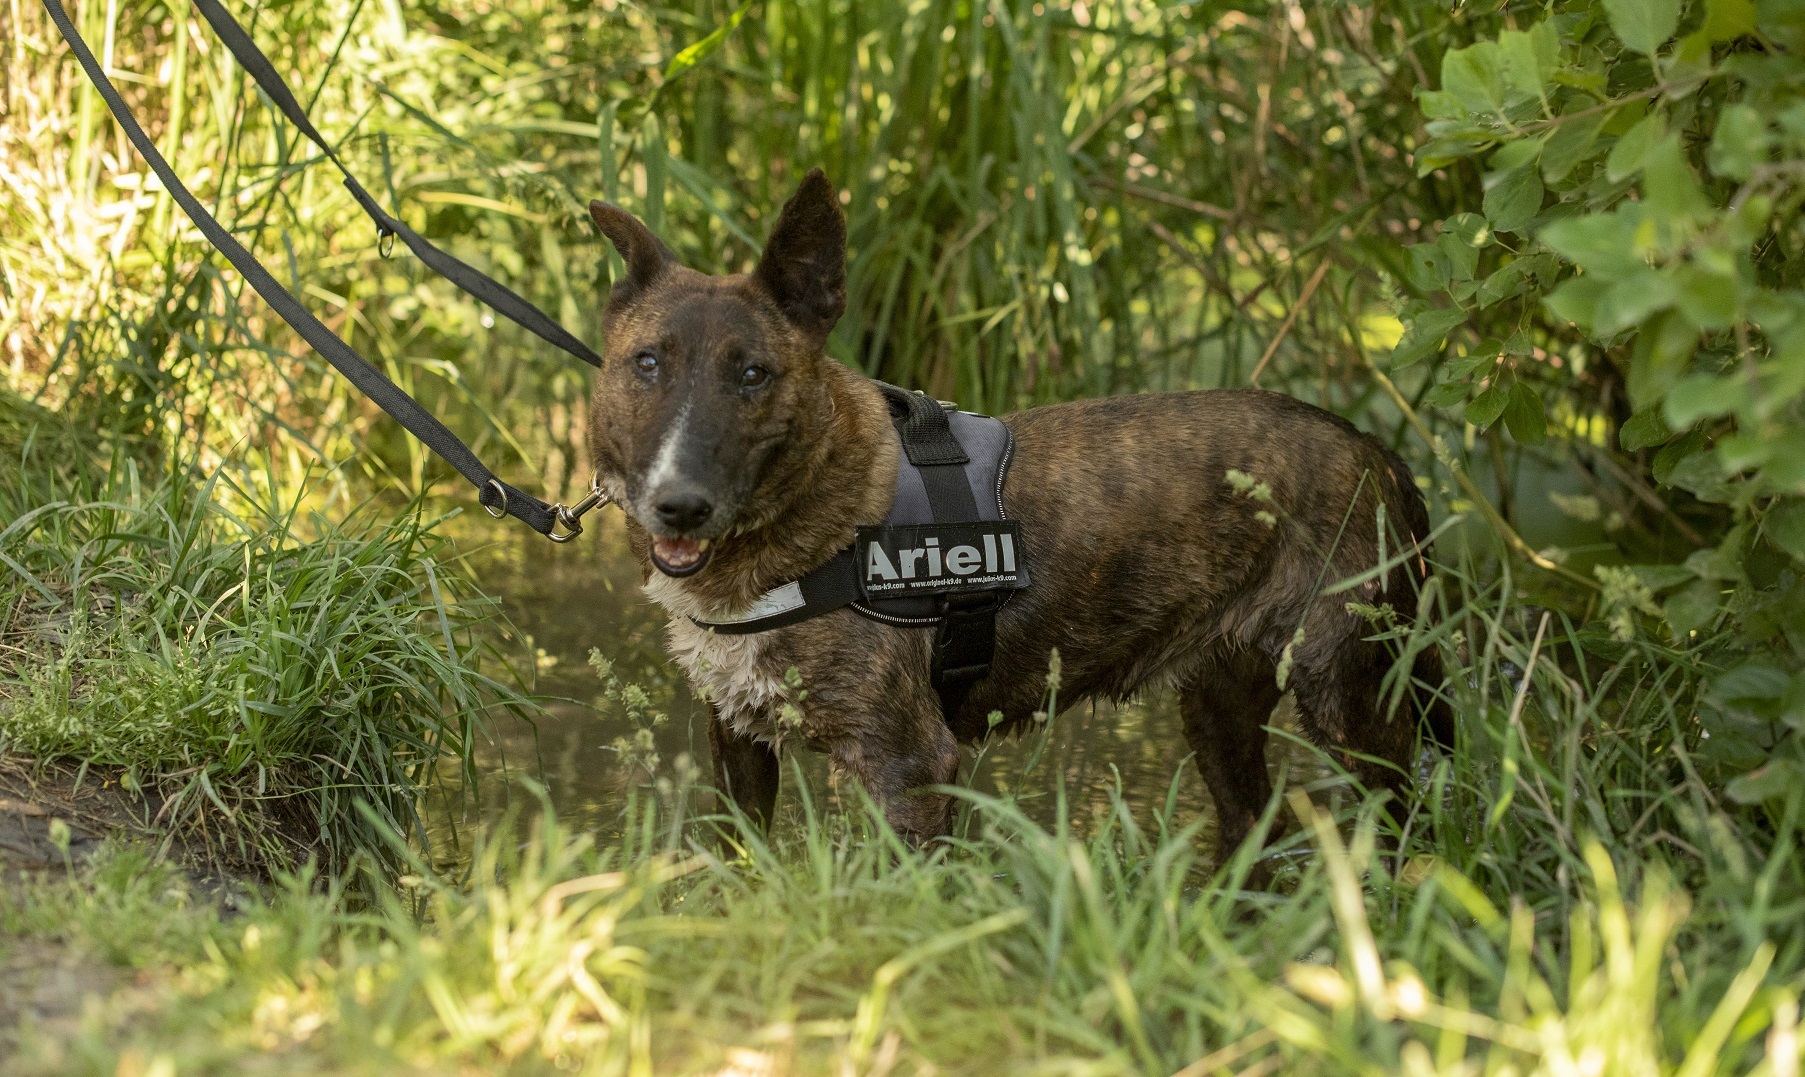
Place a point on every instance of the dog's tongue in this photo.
(679, 553)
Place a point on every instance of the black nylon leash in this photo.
(496, 496)
(498, 296)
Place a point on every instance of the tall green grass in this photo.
(1045, 201)
(253, 670)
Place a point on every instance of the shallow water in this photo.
(585, 595)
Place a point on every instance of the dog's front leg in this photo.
(745, 769)
(898, 757)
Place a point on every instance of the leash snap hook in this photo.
(571, 518)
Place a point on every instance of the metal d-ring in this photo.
(572, 518)
(503, 491)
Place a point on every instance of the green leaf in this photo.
(700, 51)
(1447, 394)
(1675, 453)
(1475, 76)
(1487, 406)
(1597, 243)
(1441, 152)
(1669, 187)
(1749, 221)
(1425, 334)
(1468, 228)
(1632, 298)
(1504, 283)
(1722, 562)
(1704, 396)
(1744, 452)
(1658, 578)
(1576, 300)
(1430, 269)
(1751, 682)
(1530, 57)
(1689, 60)
(1514, 154)
(1727, 19)
(1740, 143)
(1462, 243)
(1632, 149)
(1643, 24)
(1524, 417)
(1710, 300)
(1691, 607)
(1512, 199)
(1643, 430)
(1439, 105)
(1702, 476)
(1465, 367)
(1570, 144)
(1784, 525)
(1785, 470)
(1663, 348)
(1589, 82)
(1770, 781)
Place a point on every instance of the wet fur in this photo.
(1149, 567)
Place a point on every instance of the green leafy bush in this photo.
(1643, 165)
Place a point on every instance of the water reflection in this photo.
(570, 599)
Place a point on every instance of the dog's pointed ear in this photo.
(645, 254)
(804, 264)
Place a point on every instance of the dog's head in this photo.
(712, 386)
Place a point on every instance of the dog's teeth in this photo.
(701, 545)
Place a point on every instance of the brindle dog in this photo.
(744, 456)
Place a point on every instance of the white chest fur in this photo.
(732, 671)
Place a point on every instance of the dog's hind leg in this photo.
(745, 769)
(1226, 706)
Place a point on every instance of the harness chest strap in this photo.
(946, 556)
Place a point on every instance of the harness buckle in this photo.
(571, 518)
(965, 641)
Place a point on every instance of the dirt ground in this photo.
(53, 818)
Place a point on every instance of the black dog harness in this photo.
(947, 556)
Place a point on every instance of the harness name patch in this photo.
(939, 559)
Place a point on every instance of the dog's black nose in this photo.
(683, 512)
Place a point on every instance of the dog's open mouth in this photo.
(680, 556)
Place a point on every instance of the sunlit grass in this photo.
(836, 949)
(1569, 898)
(256, 670)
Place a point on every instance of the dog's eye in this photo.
(754, 376)
(646, 362)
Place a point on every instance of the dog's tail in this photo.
(1432, 707)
